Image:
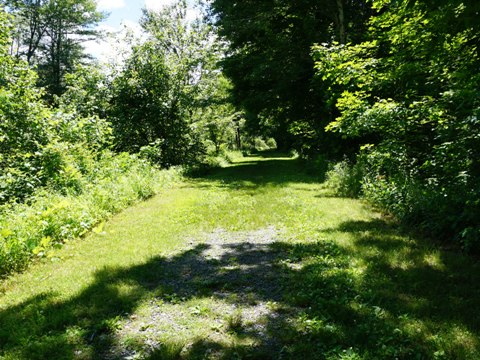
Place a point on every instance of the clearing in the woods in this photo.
(254, 261)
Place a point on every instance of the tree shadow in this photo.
(252, 175)
(416, 276)
(406, 295)
(45, 328)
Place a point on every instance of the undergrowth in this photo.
(212, 161)
(444, 209)
(52, 217)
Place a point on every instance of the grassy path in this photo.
(256, 261)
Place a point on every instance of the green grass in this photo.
(30, 230)
(341, 282)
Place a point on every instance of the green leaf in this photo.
(6, 233)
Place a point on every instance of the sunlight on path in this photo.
(257, 260)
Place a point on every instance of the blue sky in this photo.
(121, 10)
(128, 10)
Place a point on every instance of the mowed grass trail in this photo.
(254, 261)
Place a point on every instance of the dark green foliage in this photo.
(411, 95)
(271, 68)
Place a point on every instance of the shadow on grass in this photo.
(408, 302)
(260, 172)
(381, 296)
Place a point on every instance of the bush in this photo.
(346, 178)
(206, 165)
(317, 166)
(445, 210)
(260, 144)
(232, 155)
(28, 231)
(271, 143)
(152, 153)
(416, 99)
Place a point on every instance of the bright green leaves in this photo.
(23, 124)
(352, 106)
(5, 233)
(360, 118)
(412, 91)
(348, 65)
(168, 87)
(40, 146)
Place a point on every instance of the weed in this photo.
(167, 351)
(30, 231)
(234, 321)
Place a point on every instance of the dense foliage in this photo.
(168, 86)
(58, 179)
(271, 68)
(391, 86)
(39, 146)
(379, 97)
(166, 105)
(411, 94)
(396, 82)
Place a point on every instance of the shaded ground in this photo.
(240, 275)
(275, 269)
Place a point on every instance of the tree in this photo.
(49, 34)
(410, 94)
(87, 92)
(23, 122)
(216, 121)
(269, 60)
(166, 82)
(30, 27)
(191, 52)
(40, 146)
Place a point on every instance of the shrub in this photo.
(271, 143)
(416, 99)
(260, 144)
(231, 156)
(207, 164)
(152, 152)
(28, 231)
(445, 210)
(346, 178)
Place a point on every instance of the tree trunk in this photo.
(341, 22)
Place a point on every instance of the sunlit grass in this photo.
(353, 285)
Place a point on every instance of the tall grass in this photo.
(52, 217)
(445, 210)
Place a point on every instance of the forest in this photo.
(221, 129)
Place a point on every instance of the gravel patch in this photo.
(238, 275)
